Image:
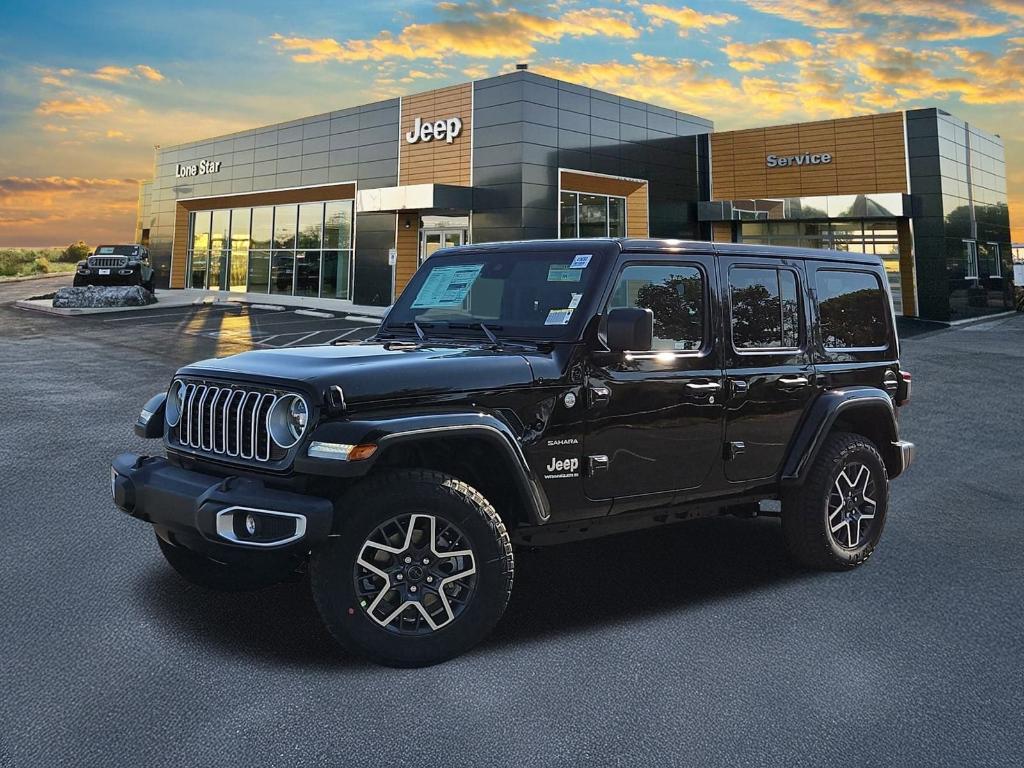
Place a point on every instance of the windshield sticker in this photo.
(106, 249)
(558, 273)
(447, 287)
(581, 261)
(558, 317)
(576, 298)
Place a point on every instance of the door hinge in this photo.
(734, 449)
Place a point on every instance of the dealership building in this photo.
(345, 205)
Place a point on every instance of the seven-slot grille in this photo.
(228, 421)
(114, 262)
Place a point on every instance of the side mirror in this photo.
(630, 330)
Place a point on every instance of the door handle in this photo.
(793, 381)
(711, 386)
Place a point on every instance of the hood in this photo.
(378, 371)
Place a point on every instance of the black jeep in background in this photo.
(116, 265)
(531, 393)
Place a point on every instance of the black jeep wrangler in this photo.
(531, 393)
(116, 265)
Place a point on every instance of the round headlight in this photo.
(175, 397)
(287, 420)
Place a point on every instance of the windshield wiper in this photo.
(483, 327)
(415, 326)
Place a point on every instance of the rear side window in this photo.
(675, 294)
(765, 308)
(853, 309)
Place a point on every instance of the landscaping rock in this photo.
(91, 296)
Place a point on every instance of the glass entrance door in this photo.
(435, 239)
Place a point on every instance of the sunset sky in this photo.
(87, 89)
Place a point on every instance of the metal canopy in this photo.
(414, 197)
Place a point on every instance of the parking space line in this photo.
(349, 332)
(301, 338)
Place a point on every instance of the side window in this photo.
(853, 309)
(675, 294)
(765, 308)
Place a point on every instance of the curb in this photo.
(27, 278)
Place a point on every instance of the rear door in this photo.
(654, 418)
(769, 371)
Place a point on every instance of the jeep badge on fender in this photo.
(402, 471)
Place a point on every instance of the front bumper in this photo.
(208, 513)
(114, 276)
(905, 450)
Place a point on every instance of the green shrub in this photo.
(75, 252)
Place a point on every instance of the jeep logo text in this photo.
(439, 129)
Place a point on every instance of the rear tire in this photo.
(420, 569)
(835, 519)
(203, 571)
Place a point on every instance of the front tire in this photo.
(420, 569)
(206, 572)
(835, 519)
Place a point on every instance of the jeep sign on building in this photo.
(347, 204)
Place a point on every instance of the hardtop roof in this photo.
(665, 245)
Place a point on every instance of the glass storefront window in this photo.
(282, 272)
(259, 271)
(200, 255)
(284, 226)
(240, 219)
(593, 213)
(338, 224)
(262, 227)
(220, 240)
(305, 250)
(334, 275)
(616, 217)
(307, 273)
(586, 215)
(567, 216)
(311, 222)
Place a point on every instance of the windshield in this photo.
(116, 250)
(517, 294)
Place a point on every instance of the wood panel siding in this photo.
(868, 156)
(437, 161)
(721, 231)
(407, 245)
(634, 190)
(180, 244)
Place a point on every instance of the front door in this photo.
(771, 379)
(435, 239)
(654, 418)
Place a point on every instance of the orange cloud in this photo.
(686, 19)
(746, 57)
(930, 20)
(54, 210)
(74, 106)
(488, 35)
(116, 74)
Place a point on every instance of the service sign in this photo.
(202, 168)
(784, 161)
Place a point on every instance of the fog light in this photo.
(250, 524)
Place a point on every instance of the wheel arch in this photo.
(866, 411)
(478, 448)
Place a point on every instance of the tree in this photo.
(76, 252)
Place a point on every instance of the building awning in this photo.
(414, 197)
(885, 205)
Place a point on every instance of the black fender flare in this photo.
(390, 430)
(825, 412)
(154, 426)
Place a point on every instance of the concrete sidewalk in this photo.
(181, 298)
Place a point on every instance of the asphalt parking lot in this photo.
(699, 645)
